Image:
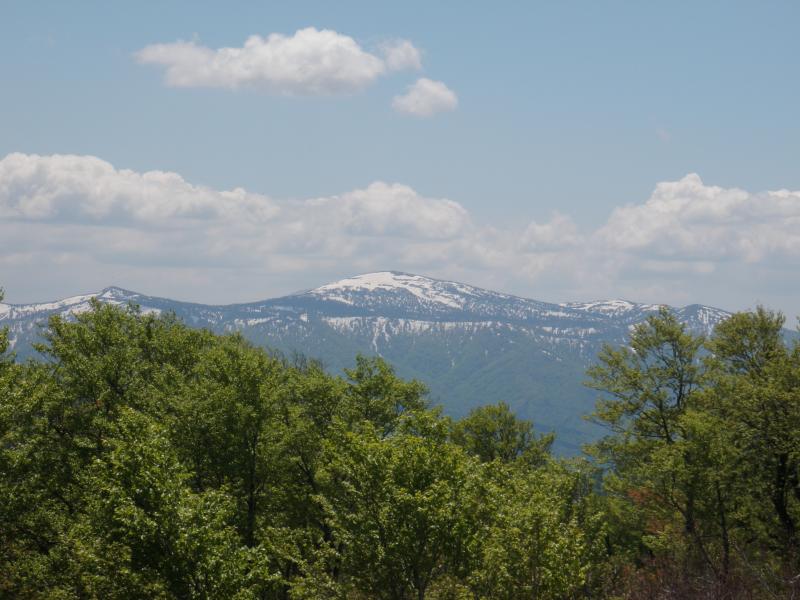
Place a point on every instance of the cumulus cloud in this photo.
(558, 233)
(393, 209)
(687, 219)
(426, 98)
(401, 54)
(69, 217)
(86, 189)
(87, 205)
(310, 62)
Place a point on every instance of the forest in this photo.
(141, 458)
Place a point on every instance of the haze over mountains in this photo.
(471, 346)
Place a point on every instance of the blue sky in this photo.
(565, 113)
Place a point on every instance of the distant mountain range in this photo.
(471, 346)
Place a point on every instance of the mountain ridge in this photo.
(387, 279)
(470, 345)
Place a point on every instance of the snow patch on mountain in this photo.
(610, 307)
(403, 326)
(69, 306)
(16, 311)
(425, 289)
(384, 305)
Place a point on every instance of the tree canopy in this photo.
(141, 458)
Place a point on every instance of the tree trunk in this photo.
(723, 524)
(251, 495)
(779, 500)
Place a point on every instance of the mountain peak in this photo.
(378, 280)
(116, 293)
(424, 290)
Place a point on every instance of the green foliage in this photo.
(757, 403)
(538, 545)
(143, 459)
(144, 533)
(650, 382)
(221, 425)
(493, 432)
(377, 395)
(5, 358)
(398, 507)
(701, 489)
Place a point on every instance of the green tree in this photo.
(541, 541)
(493, 432)
(756, 397)
(376, 395)
(397, 505)
(650, 385)
(4, 341)
(225, 425)
(92, 488)
(144, 533)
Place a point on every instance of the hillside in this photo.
(471, 346)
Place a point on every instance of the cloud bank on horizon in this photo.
(77, 218)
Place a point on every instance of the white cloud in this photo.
(84, 204)
(86, 189)
(425, 98)
(687, 219)
(393, 209)
(310, 62)
(73, 218)
(401, 54)
(557, 234)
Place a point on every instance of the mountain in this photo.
(470, 345)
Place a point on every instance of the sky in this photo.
(227, 152)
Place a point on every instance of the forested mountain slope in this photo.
(469, 345)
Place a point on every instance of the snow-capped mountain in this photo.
(470, 345)
(72, 305)
(699, 318)
(417, 296)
